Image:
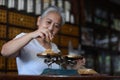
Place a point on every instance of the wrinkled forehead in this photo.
(55, 16)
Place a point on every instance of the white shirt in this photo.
(28, 63)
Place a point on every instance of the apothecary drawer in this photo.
(64, 41)
(13, 31)
(56, 40)
(1, 43)
(12, 64)
(22, 20)
(3, 16)
(2, 62)
(64, 51)
(2, 31)
(70, 30)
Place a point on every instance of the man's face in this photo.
(52, 21)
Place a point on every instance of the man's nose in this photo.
(51, 27)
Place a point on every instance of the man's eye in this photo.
(57, 26)
(48, 22)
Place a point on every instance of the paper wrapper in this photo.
(87, 71)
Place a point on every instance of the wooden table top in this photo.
(57, 77)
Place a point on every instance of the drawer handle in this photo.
(21, 19)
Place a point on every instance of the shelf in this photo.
(103, 18)
(97, 49)
(97, 27)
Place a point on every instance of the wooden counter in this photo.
(55, 77)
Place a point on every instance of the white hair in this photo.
(54, 9)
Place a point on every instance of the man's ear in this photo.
(38, 20)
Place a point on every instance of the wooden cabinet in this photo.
(69, 33)
(64, 41)
(13, 31)
(2, 61)
(11, 64)
(18, 19)
(70, 29)
(3, 16)
(3, 31)
(56, 40)
(100, 19)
